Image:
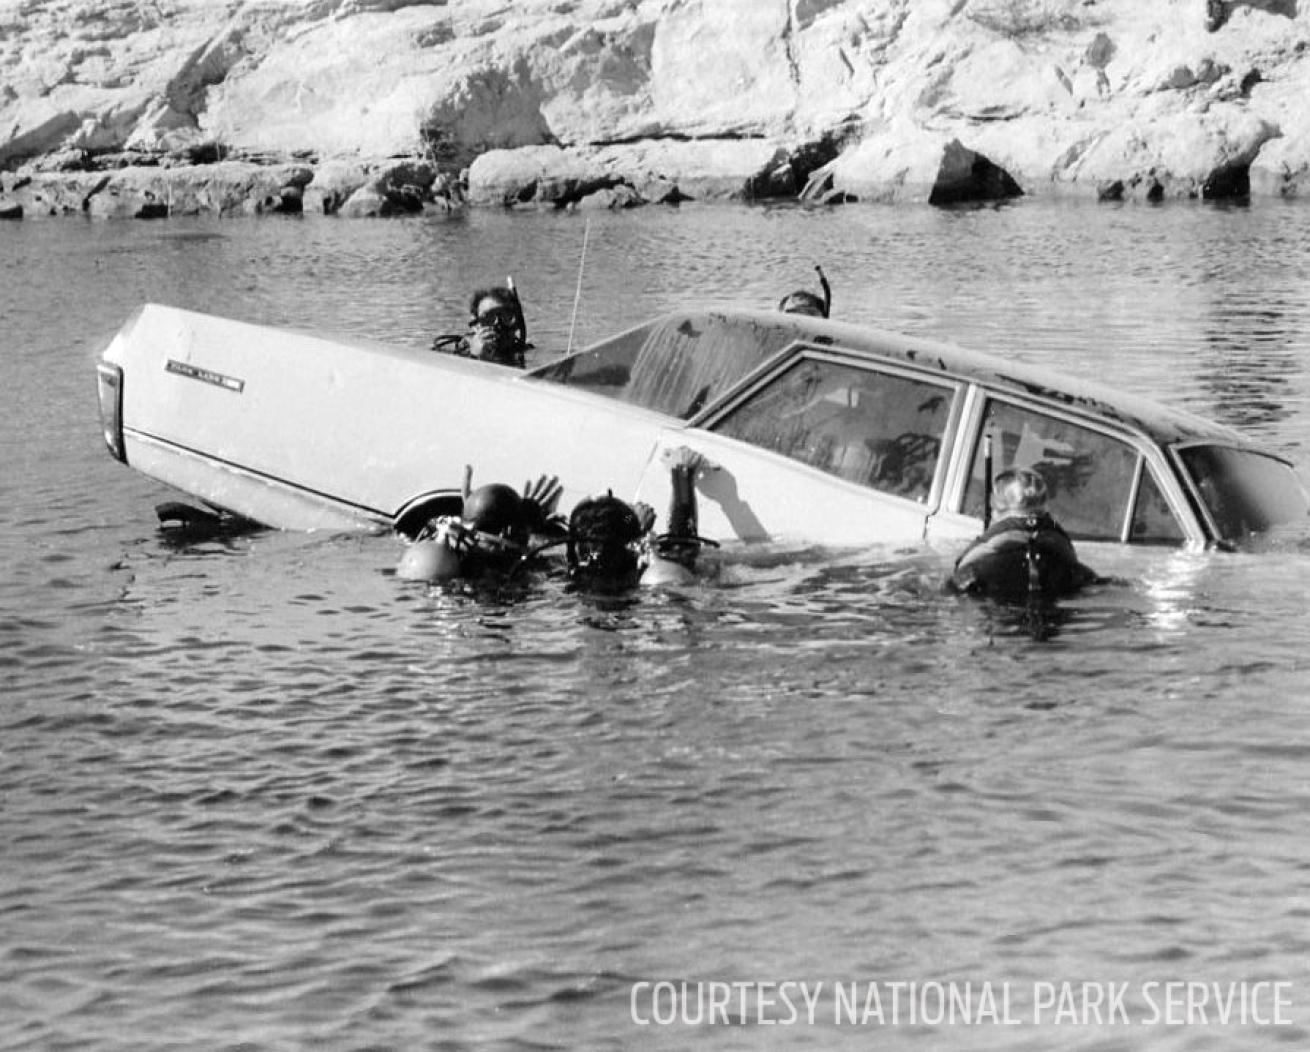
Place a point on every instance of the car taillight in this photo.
(111, 408)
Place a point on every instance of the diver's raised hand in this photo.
(545, 493)
(686, 458)
(540, 500)
(645, 516)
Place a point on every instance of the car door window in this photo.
(1153, 520)
(881, 430)
(1089, 474)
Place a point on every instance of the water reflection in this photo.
(1169, 586)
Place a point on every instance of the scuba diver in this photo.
(497, 330)
(611, 545)
(802, 301)
(1025, 555)
(494, 532)
(608, 542)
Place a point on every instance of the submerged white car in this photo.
(822, 432)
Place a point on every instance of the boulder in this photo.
(1175, 155)
(43, 134)
(612, 198)
(966, 176)
(1282, 168)
(908, 163)
(332, 185)
(397, 189)
(49, 195)
(365, 203)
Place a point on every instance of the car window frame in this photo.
(1150, 457)
(951, 384)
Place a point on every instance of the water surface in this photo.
(257, 793)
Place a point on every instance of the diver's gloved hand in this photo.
(540, 500)
(688, 458)
(645, 516)
(485, 345)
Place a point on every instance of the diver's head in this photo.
(802, 302)
(605, 541)
(431, 559)
(498, 510)
(496, 321)
(1019, 491)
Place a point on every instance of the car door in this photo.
(827, 447)
(1104, 483)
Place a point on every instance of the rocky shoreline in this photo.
(358, 108)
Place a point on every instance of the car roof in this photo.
(713, 350)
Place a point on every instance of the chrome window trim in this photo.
(1134, 491)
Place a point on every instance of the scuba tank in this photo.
(1021, 560)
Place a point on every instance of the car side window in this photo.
(1153, 520)
(878, 429)
(1089, 475)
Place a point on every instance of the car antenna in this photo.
(577, 295)
(518, 309)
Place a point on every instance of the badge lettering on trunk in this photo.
(231, 383)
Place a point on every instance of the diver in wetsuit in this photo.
(611, 544)
(497, 331)
(1025, 554)
(493, 534)
(608, 542)
(802, 301)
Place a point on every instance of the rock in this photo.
(903, 163)
(127, 202)
(789, 170)
(1282, 167)
(613, 198)
(658, 190)
(1113, 191)
(291, 200)
(1227, 182)
(559, 100)
(366, 202)
(1099, 52)
(1176, 155)
(43, 134)
(332, 185)
(397, 189)
(965, 176)
(66, 160)
(46, 195)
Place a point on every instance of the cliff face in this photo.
(364, 106)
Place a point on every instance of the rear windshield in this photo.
(676, 365)
(1244, 492)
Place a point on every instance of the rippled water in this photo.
(257, 793)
